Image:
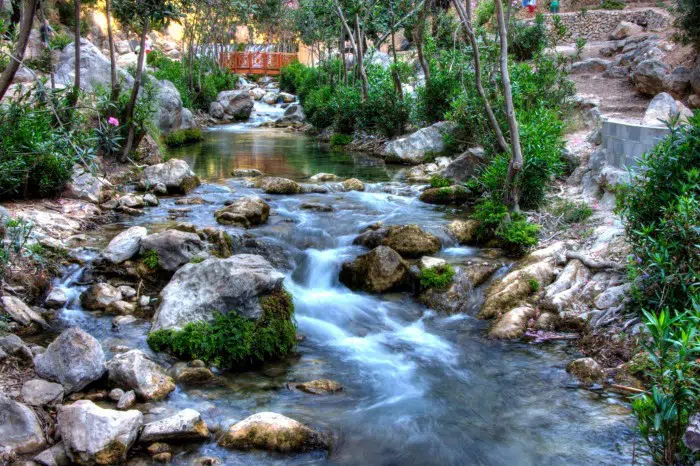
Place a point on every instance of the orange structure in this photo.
(267, 63)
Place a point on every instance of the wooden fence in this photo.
(267, 63)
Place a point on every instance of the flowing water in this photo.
(420, 387)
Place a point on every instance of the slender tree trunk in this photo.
(355, 48)
(512, 196)
(25, 29)
(135, 92)
(420, 33)
(116, 88)
(361, 60)
(465, 16)
(76, 38)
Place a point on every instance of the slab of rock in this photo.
(238, 104)
(412, 149)
(464, 231)
(320, 387)
(173, 247)
(74, 359)
(39, 392)
(246, 211)
(273, 432)
(12, 346)
(93, 435)
(86, 186)
(661, 108)
(649, 76)
(125, 245)
(427, 262)
(127, 400)
(199, 291)
(379, 270)
(100, 296)
(590, 65)
(175, 175)
(587, 370)
(625, 29)
(54, 456)
(20, 312)
(20, 429)
(466, 165)
(94, 68)
(56, 298)
(411, 241)
(270, 98)
(134, 371)
(186, 425)
(353, 184)
(512, 324)
(691, 437)
(275, 185)
(246, 172)
(677, 82)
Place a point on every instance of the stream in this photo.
(419, 387)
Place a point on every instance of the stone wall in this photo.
(596, 25)
(625, 142)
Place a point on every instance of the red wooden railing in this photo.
(267, 63)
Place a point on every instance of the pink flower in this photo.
(113, 121)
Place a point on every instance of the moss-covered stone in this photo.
(411, 241)
(446, 195)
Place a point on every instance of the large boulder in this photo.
(174, 248)
(125, 245)
(512, 324)
(649, 76)
(273, 432)
(237, 104)
(293, 116)
(134, 371)
(413, 148)
(85, 186)
(411, 241)
(246, 211)
(100, 296)
(20, 312)
(677, 82)
(377, 271)
(275, 185)
(691, 437)
(186, 425)
(39, 392)
(695, 79)
(466, 165)
(74, 360)
(661, 108)
(93, 435)
(590, 65)
(170, 114)
(464, 231)
(94, 68)
(20, 429)
(625, 29)
(200, 291)
(174, 174)
(12, 346)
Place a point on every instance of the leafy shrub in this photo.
(438, 181)
(612, 4)
(151, 259)
(434, 99)
(59, 41)
(527, 40)
(687, 20)
(317, 108)
(182, 137)
(661, 207)
(232, 341)
(339, 140)
(485, 10)
(512, 231)
(291, 77)
(534, 285)
(439, 277)
(345, 105)
(571, 212)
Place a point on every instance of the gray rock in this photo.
(287, 98)
(625, 29)
(246, 211)
(125, 245)
(20, 429)
(677, 82)
(246, 172)
(199, 291)
(115, 394)
(94, 68)
(216, 110)
(413, 148)
(174, 174)
(85, 186)
(170, 114)
(587, 370)
(100, 296)
(12, 346)
(237, 104)
(270, 98)
(134, 371)
(377, 271)
(276, 185)
(74, 360)
(648, 77)
(150, 200)
(691, 437)
(54, 456)
(590, 65)
(56, 298)
(127, 400)
(187, 425)
(273, 432)
(661, 108)
(466, 165)
(695, 79)
(293, 115)
(173, 247)
(613, 296)
(39, 392)
(20, 312)
(93, 435)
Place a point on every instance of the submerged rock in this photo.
(74, 360)
(320, 387)
(379, 270)
(353, 184)
(93, 435)
(184, 426)
(587, 370)
(199, 291)
(100, 296)
(273, 432)
(20, 429)
(246, 211)
(134, 371)
(512, 324)
(175, 175)
(275, 185)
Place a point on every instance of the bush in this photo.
(485, 10)
(661, 207)
(232, 341)
(512, 231)
(439, 277)
(527, 40)
(151, 259)
(687, 20)
(571, 212)
(59, 41)
(438, 181)
(612, 4)
(339, 140)
(183, 137)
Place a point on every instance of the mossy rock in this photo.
(446, 195)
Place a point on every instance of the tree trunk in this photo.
(355, 49)
(361, 60)
(76, 38)
(465, 16)
(512, 196)
(116, 87)
(135, 92)
(25, 29)
(420, 36)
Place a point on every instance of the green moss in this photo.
(534, 285)
(446, 195)
(150, 258)
(437, 277)
(571, 212)
(438, 181)
(339, 140)
(233, 341)
(196, 260)
(183, 137)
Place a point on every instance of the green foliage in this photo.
(435, 98)
(232, 341)
(438, 181)
(150, 258)
(612, 4)
(661, 207)
(485, 10)
(570, 212)
(292, 76)
(525, 41)
(513, 232)
(439, 277)
(183, 137)
(340, 140)
(59, 40)
(534, 285)
(687, 20)
(580, 45)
